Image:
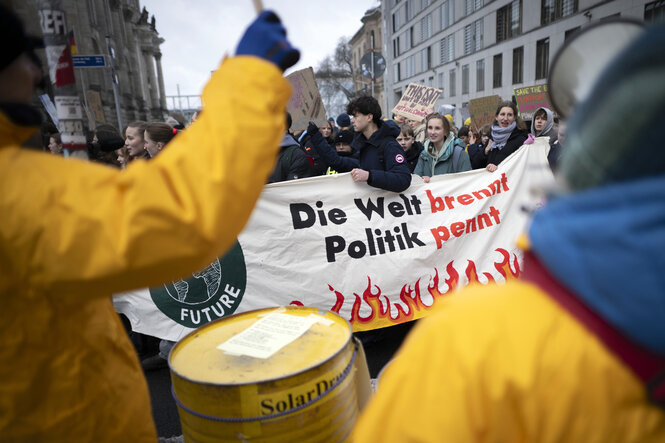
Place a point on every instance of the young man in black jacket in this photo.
(381, 162)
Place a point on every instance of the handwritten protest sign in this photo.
(305, 104)
(377, 258)
(482, 110)
(417, 102)
(531, 98)
(95, 103)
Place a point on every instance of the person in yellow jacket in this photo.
(575, 352)
(73, 232)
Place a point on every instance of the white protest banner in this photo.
(377, 258)
(417, 102)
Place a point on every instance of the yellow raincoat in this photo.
(73, 232)
(507, 364)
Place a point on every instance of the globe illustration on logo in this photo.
(214, 292)
(199, 288)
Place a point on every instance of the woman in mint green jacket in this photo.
(442, 155)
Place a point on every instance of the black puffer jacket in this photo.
(292, 162)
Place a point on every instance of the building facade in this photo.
(132, 48)
(368, 37)
(475, 48)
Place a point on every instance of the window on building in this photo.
(430, 81)
(551, 10)
(472, 5)
(569, 33)
(447, 49)
(396, 72)
(397, 95)
(447, 12)
(440, 81)
(425, 27)
(452, 77)
(465, 79)
(92, 13)
(497, 69)
(426, 57)
(407, 40)
(518, 65)
(409, 66)
(410, 9)
(542, 58)
(395, 2)
(473, 37)
(509, 21)
(480, 75)
(396, 48)
(654, 11)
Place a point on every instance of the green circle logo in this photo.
(211, 293)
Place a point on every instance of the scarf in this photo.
(500, 135)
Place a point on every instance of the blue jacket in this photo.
(391, 174)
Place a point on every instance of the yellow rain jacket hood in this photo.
(74, 232)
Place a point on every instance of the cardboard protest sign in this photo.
(482, 110)
(417, 102)
(531, 98)
(377, 258)
(95, 103)
(305, 104)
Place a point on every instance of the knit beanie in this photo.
(616, 134)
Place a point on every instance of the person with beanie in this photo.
(343, 121)
(343, 147)
(574, 351)
(75, 232)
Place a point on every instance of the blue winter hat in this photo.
(343, 120)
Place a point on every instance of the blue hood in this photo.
(607, 246)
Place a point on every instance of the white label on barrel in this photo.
(268, 335)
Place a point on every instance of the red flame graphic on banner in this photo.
(410, 295)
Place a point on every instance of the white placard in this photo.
(268, 335)
(68, 107)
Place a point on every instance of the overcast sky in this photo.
(198, 33)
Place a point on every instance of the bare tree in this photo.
(334, 76)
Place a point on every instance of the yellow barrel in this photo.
(241, 379)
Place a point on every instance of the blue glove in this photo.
(266, 38)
